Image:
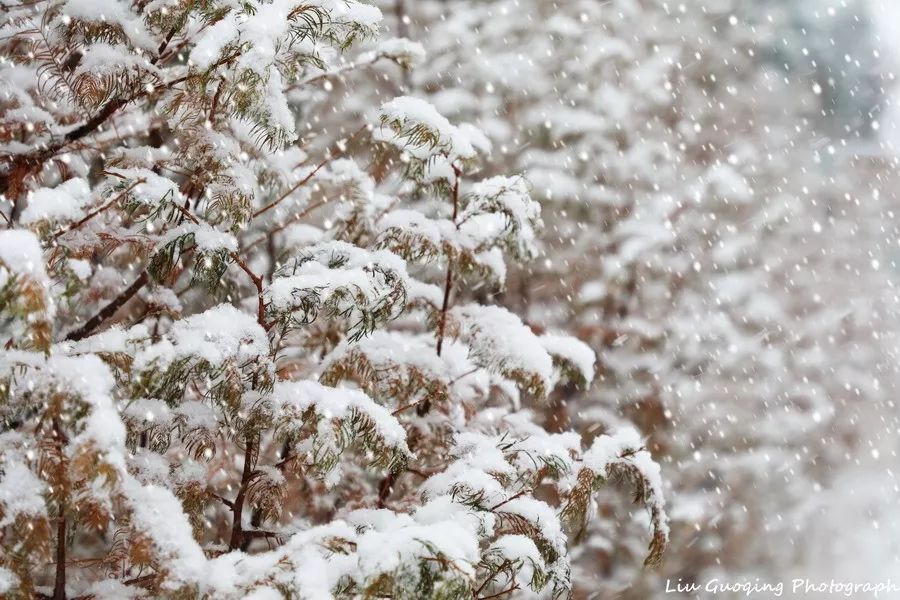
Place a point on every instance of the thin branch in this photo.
(110, 309)
(406, 407)
(237, 531)
(286, 224)
(260, 293)
(510, 499)
(59, 585)
(215, 100)
(509, 590)
(259, 533)
(448, 282)
(223, 500)
(485, 583)
(93, 214)
(339, 150)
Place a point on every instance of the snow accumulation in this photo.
(20, 254)
(65, 202)
(150, 189)
(406, 113)
(115, 12)
(626, 445)
(542, 516)
(573, 351)
(393, 352)
(219, 334)
(21, 492)
(396, 538)
(291, 398)
(356, 270)
(402, 49)
(101, 59)
(520, 548)
(509, 195)
(499, 341)
(475, 472)
(205, 236)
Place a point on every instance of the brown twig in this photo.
(237, 530)
(339, 150)
(448, 282)
(93, 214)
(110, 309)
(257, 280)
(406, 407)
(59, 585)
(508, 590)
(286, 224)
(510, 499)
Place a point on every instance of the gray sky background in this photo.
(886, 15)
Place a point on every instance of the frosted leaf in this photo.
(418, 124)
(476, 477)
(157, 514)
(405, 368)
(399, 539)
(499, 341)
(406, 53)
(510, 197)
(205, 237)
(574, 357)
(150, 188)
(115, 12)
(215, 336)
(519, 549)
(541, 517)
(341, 417)
(622, 455)
(364, 287)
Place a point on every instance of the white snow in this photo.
(501, 342)
(65, 202)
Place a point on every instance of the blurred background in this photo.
(720, 223)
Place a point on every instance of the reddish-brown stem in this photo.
(93, 214)
(509, 590)
(448, 282)
(338, 151)
(510, 499)
(59, 586)
(487, 581)
(223, 500)
(405, 407)
(110, 309)
(258, 282)
(448, 288)
(237, 529)
(215, 100)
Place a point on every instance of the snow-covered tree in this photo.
(243, 355)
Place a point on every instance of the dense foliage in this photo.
(249, 350)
